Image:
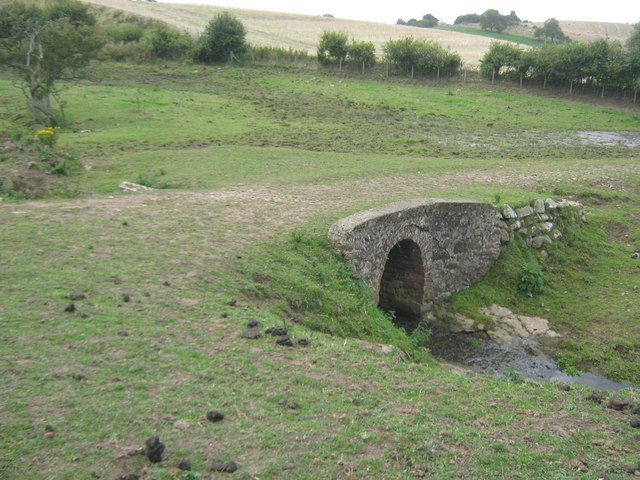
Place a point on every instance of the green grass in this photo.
(585, 266)
(236, 231)
(532, 42)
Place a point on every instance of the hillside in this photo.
(589, 31)
(298, 31)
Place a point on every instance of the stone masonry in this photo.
(537, 222)
(415, 252)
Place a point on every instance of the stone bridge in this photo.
(419, 251)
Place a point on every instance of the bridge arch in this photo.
(419, 251)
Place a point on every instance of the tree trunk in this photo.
(38, 90)
(40, 107)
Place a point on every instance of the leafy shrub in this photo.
(531, 278)
(501, 56)
(125, 33)
(165, 42)
(362, 52)
(224, 35)
(421, 56)
(332, 46)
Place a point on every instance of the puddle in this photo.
(534, 138)
(625, 139)
(482, 355)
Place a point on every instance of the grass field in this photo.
(509, 37)
(251, 166)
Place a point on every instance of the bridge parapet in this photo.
(418, 251)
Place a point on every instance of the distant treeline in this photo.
(602, 63)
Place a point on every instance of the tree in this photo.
(45, 46)
(501, 55)
(633, 51)
(492, 20)
(223, 35)
(468, 18)
(333, 46)
(551, 32)
(428, 21)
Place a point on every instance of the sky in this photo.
(619, 11)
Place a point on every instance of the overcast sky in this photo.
(620, 11)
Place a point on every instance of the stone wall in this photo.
(537, 222)
(455, 241)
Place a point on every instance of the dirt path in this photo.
(246, 213)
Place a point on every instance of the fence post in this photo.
(602, 94)
(363, 67)
(493, 75)
(571, 87)
(520, 80)
(635, 95)
(465, 76)
(387, 70)
(340, 65)
(438, 75)
(411, 71)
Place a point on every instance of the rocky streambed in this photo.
(507, 344)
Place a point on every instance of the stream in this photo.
(479, 354)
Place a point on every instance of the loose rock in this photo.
(253, 323)
(128, 476)
(214, 416)
(635, 423)
(123, 333)
(184, 465)
(304, 342)
(126, 298)
(276, 331)
(284, 340)
(227, 467)
(70, 308)
(78, 296)
(154, 449)
(617, 403)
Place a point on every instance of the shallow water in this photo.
(482, 355)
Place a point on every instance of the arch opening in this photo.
(402, 284)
